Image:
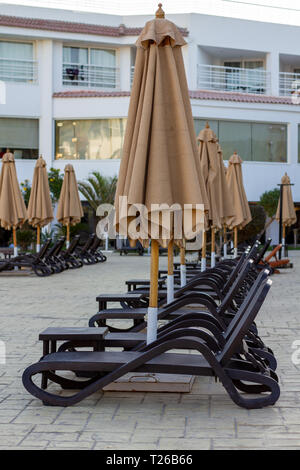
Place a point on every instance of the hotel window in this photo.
(16, 62)
(96, 139)
(258, 142)
(89, 67)
(21, 136)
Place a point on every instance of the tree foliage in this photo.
(269, 201)
(98, 189)
(55, 179)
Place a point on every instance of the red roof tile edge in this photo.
(198, 94)
(72, 27)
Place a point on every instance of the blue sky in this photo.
(278, 11)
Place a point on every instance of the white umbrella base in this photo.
(203, 264)
(182, 275)
(152, 324)
(213, 259)
(170, 288)
(141, 382)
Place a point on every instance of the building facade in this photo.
(65, 81)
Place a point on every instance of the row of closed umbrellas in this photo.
(161, 163)
(13, 212)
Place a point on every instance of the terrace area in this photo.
(203, 419)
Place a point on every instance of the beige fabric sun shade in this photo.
(69, 211)
(242, 215)
(212, 169)
(288, 210)
(40, 211)
(160, 163)
(12, 207)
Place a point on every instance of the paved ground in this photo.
(204, 419)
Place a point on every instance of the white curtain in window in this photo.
(19, 133)
(75, 55)
(16, 50)
(103, 57)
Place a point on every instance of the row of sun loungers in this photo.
(54, 259)
(210, 324)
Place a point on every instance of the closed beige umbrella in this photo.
(212, 169)
(288, 210)
(12, 207)
(159, 163)
(40, 212)
(69, 211)
(242, 215)
(227, 200)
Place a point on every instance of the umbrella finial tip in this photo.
(207, 125)
(160, 12)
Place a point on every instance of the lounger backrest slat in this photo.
(235, 286)
(234, 342)
(261, 278)
(262, 252)
(88, 243)
(44, 249)
(235, 272)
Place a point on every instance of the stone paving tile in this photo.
(203, 419)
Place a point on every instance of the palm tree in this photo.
(98, 189)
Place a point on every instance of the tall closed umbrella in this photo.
(40, 212)
(288, 213)
(227, 198)
(220, 206)
(242, 215)
(159, 163)
(12, 207)
(69, 211)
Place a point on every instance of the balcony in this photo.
(234, 79)
(289, 83)
(17, 70)
(90, 76)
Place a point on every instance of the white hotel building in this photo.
(68, 74)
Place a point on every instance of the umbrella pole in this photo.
(68, 236)
(170, 278)
(225, 241)
(38, 238)
(283, 238)
(203, 259)
(15, 242)
(182, 267)
(213, 249)
(153, 299)
(235, 250)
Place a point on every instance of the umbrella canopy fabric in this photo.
(12, 207)
(212, 168)
(69, 211)
(242, 215)
(159, 163)
(288, 210)
(40, 211)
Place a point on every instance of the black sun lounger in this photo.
(248, 374)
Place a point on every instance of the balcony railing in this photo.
(215, 77)
(289, 83)
(131, 74)
(17, 70)
(91, 76)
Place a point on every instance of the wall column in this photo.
(45, 58)
(124, 66)
(272, 66)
